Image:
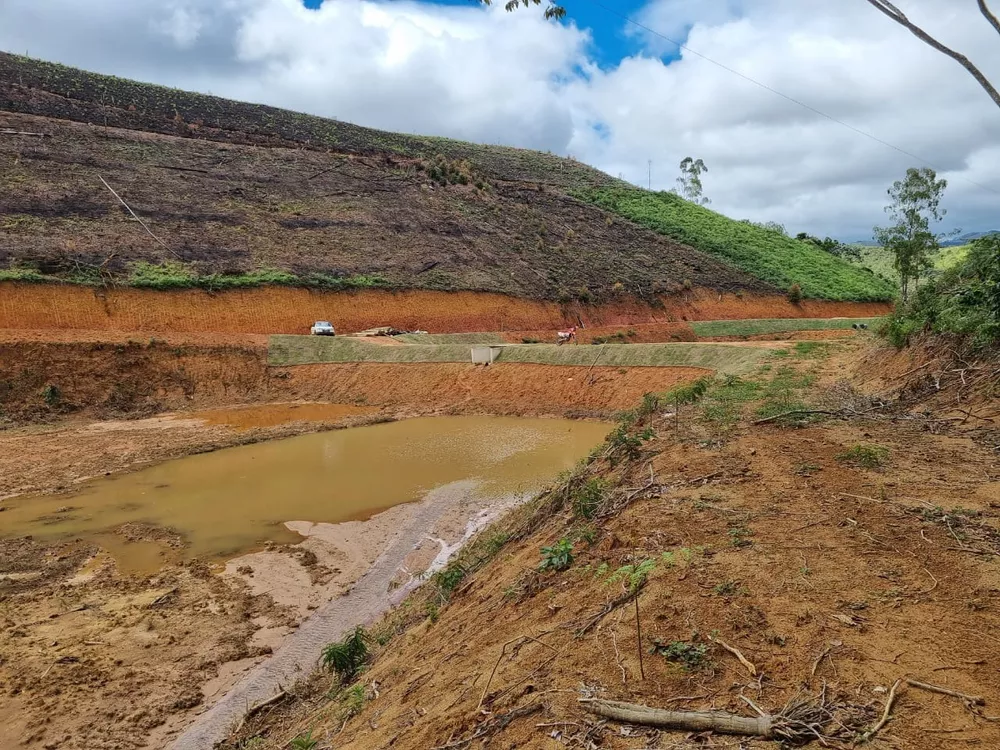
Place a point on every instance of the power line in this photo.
(792, 99)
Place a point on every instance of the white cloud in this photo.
(495, 77)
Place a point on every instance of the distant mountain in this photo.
(965, 239)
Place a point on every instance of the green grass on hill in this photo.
(761, 326)
(767, 254)
(880, 261)
(285, 350)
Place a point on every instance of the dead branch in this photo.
(736, 652)
(136, 217)
(886, 714)
(610, 607)
(493, 726)
(503, 650)
(693, 721)
(975, 700)
(897, 15)
(22, 132)
(799, 411)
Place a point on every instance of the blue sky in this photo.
(610, 41)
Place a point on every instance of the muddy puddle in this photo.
(216, 506)
(271, 415)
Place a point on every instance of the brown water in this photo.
(225, 503)
(270, 415)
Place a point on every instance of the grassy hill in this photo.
(880, 262)
(767, 254)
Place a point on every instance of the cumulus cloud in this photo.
(494, 77)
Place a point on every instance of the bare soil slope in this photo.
(829, 575)
(231, 188)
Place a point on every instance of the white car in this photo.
(322, 328)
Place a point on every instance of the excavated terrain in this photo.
(814, 558)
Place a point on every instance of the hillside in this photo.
(238, 195)
(767, 254)
(880, 262)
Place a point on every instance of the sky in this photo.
(597, 87)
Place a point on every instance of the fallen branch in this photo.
(693, 721)
(886, 714)
(503, 650)
(136, 217)
(736, 652)
(975, 700)
(800, 411)
(803, 719)
(610, 607)
(23, 132)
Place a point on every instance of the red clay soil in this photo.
(46, 381)
(289, 310)
(824, 575)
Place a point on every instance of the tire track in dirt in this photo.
(301, 651)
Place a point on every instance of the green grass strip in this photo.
(287, 350)
(776, 325)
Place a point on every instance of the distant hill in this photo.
(965, 239)
(880, 262)
(766, 253)
(238, 194)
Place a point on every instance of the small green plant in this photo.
(557, 557)
(304, 742)
(739, 537)
(633, 577)
(809, 348)
(448, 578)
(588, 498)
(682, 555)
(530, 340)
(352, 701)
(690, 655)
(51, 394)
(585, 533)
(865, 456)
(348, 656)
(727, 588)
(807, 470)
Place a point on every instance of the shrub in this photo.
(557, 557)
(448, 578)
(795, 294)
(51, 394)
(865, 456)
(690, 655)
(588, 498)
(348, 656)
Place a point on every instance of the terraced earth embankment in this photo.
(275, 309)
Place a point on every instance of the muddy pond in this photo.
(222, 504)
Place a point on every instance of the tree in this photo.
(899, 17)
(832, 246)
(551, 9)
(916, 203)
(690, 180)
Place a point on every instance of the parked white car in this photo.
(322, 328)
